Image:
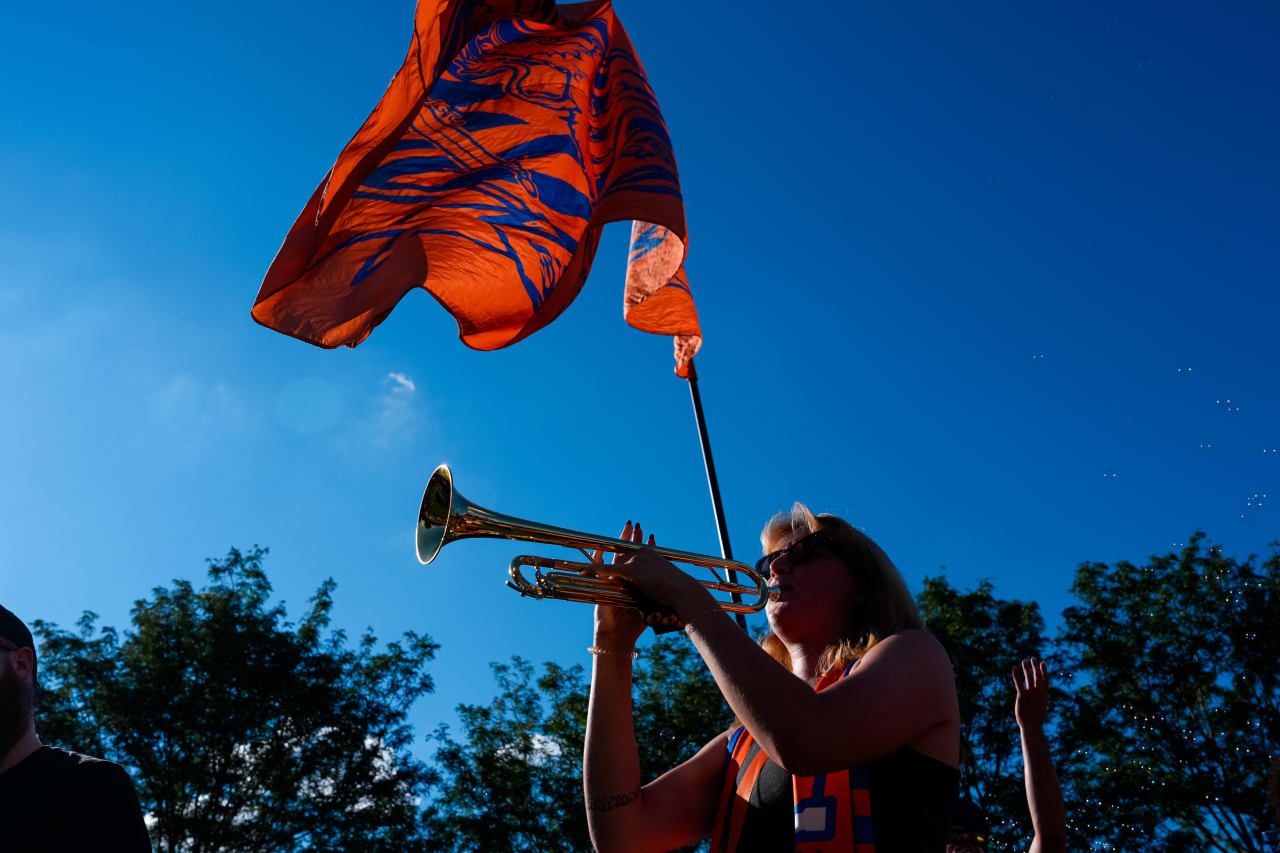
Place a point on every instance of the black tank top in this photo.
(912, 796)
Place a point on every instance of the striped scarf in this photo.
(833, 810)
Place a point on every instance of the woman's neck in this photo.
(806, 661)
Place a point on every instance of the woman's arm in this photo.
(674, 810)
(1044, 796)
(622, 812)
(902, 688)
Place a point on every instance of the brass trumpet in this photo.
(446, 516)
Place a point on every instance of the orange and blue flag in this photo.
(514, 130)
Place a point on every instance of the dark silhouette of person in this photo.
(970, 830)
(52, 799)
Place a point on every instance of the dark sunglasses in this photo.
(799, 552)
(10, 646)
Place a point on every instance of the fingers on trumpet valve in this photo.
(631, 532)
(662, 618)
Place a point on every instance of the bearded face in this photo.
(17, 697)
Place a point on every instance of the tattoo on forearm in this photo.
(614, 801)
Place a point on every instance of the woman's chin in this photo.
(780, 614)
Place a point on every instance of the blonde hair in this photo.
(886, 607)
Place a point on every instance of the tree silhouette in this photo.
(515, 783)
(242, 732)
(984, 637)
(1177, 703)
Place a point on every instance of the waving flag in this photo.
(512, 133)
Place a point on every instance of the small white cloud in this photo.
(404, 385)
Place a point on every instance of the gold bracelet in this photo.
(596, 650)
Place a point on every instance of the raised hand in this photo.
(1044, 794)
(1031, 681)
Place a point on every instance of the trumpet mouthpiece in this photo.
(774, 592)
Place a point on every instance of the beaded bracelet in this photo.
(596, 650)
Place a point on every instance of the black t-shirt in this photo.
(54, 800)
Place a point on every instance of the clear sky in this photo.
(998, 284)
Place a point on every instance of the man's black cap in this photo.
(13, 630)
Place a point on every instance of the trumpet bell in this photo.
(434, 514)
(445, 516)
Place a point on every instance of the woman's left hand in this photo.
(1031, 682)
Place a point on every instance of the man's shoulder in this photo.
(64, 800)
(56, 755)
(64, 762)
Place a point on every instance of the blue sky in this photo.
(981, 281)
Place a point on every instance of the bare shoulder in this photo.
(914, 644)
(933, 687)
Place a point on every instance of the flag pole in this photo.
(714, 485)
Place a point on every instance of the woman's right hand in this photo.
(618, 628)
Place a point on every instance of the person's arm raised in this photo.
(1044, 796)
(622, 812)
(901, 689)
(670, 812)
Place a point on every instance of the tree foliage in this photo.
(246, 732)
(515, 783)
(1177, 704)
(984, 637)
(243, 732)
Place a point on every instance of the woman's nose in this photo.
(779, 565)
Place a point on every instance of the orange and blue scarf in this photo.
(833, 810)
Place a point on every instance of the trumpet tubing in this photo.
(566, 583)
(445, 516)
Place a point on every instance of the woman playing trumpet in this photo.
(847, 732)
